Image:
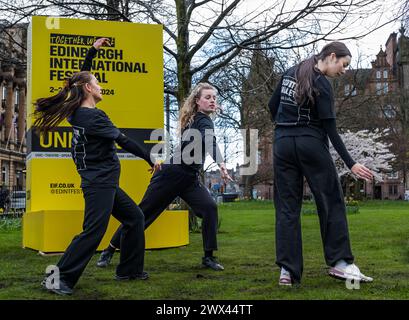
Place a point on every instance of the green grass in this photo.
(379, 237)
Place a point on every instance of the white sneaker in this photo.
(345, 271)
(285, 278)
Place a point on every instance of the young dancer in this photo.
(94, 154)
(302, 107)
(180, 178)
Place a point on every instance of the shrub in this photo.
(10, 224)
(352, 205)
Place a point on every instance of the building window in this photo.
(385, 87)
(385, 74)
(389, 111)
(392, 175)
(18, 178)
(393, 190)
(5, 174)
(378, 74)
(378, 88)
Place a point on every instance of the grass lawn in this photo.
(380, 243)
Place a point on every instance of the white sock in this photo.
(341, 264)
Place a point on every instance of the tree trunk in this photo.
(248, 187)
(183, 61)
(248, 180)
(113, 9)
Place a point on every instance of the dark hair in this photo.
(305, 70)
(51, 111)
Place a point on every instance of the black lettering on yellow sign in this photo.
(67, 53)
(76, 39)
(66, 191)
(61, 75)
(81, 52)
(115, 66)
(62, 185)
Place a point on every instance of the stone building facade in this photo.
(13, 93)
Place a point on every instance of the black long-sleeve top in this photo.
(316, 119)
(331, 128)
(87, 64)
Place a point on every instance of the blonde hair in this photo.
(189, 107)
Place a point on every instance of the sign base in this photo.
(53, 230)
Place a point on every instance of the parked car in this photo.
(230, 196)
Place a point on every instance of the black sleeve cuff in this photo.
(133, 147)
(331, 129)
(87, 65)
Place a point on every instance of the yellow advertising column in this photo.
(130, 73)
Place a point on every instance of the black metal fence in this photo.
(12, 201)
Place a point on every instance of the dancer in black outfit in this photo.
(302, 107)
(181, 178)
(94, 154)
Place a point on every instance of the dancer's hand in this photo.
(156, 167)
(224, 173)
(362, 172)
(100, 42)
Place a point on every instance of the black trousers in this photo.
(99, 204)
(172, 181)
(295, 157)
